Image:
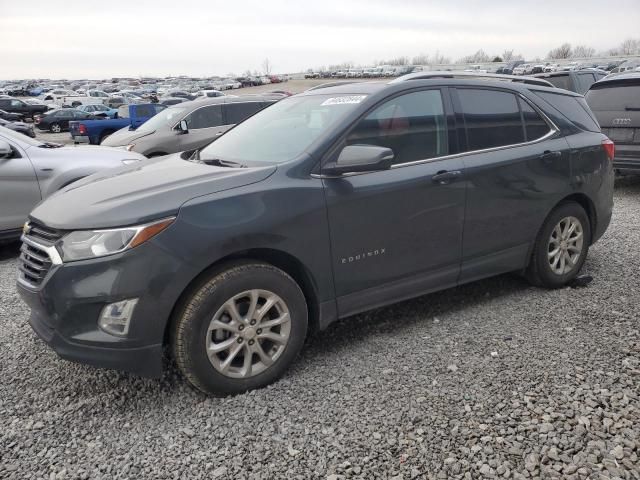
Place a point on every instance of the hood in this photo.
(124, 137)
(139, 193)
(79, 153)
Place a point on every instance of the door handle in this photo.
(444, 177)
(549, 155)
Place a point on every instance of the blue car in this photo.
(99, 110)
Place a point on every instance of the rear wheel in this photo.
(55, 128)
(240, 329)
(561, 247)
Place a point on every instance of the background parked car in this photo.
(20, 127)
(615, 101)
(15, 105)
(58, 120)
(168, 101)
(190, 125)
(99, 110)
(577, 81)
(9, 116)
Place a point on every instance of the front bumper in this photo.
(65, 308)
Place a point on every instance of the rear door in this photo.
(398, 233)
(235, 113)
(515, 168)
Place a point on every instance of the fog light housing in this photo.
(115, 317)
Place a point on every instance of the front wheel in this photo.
(561, 247)
(240, 329)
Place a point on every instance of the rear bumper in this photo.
(627, 159)
(80, 138)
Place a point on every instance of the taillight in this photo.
(609, 148)
(82, 129)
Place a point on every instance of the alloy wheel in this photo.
(565, 245)
(248, 333)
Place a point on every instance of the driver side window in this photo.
(413, 125)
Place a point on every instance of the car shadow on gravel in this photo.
(406, 315)
(9, 251)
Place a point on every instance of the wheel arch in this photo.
(278, 258)
(585, 202)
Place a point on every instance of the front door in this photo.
(205, 124)
(398, 233)
(19, 186)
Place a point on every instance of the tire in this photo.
(55, 128)
(196, 328)
(541, 271)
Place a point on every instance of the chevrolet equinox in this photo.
(328, 203)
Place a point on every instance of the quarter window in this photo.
(535, 126)
(492, 118)
(413, 126)
(205, 117)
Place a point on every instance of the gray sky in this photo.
(77, 39)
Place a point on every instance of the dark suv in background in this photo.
(577, 81)
(326, 204)
(615, 101)
(27, 110)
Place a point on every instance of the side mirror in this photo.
(5, 150)
(361, 158)
(183, 127)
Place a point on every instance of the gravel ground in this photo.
(493, 379)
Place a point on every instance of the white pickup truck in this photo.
(69, 98)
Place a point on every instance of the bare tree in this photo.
(266, 67)
(421, 59)
(582, 51)
(479, 57)
(507, 55)
(439, 59)
(630, 46)
(561, 52)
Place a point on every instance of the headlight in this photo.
(84, 244)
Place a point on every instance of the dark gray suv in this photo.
(326, 204)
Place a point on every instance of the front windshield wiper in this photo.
(221, 163)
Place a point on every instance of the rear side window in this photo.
(412, 125)
(583, 82)
(237, 112)
(572, 108)
(618, 98)
(561, 81)
(205, 117)
(492, 118)
(534, 124)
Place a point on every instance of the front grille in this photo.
(40, 232)
(35, 262)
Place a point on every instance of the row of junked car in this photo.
(315, 207)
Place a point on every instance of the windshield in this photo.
(617, 98)
(166, 118)
(283, 131)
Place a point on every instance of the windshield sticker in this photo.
(343, 100)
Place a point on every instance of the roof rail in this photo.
(329, 84)
(473, 76)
